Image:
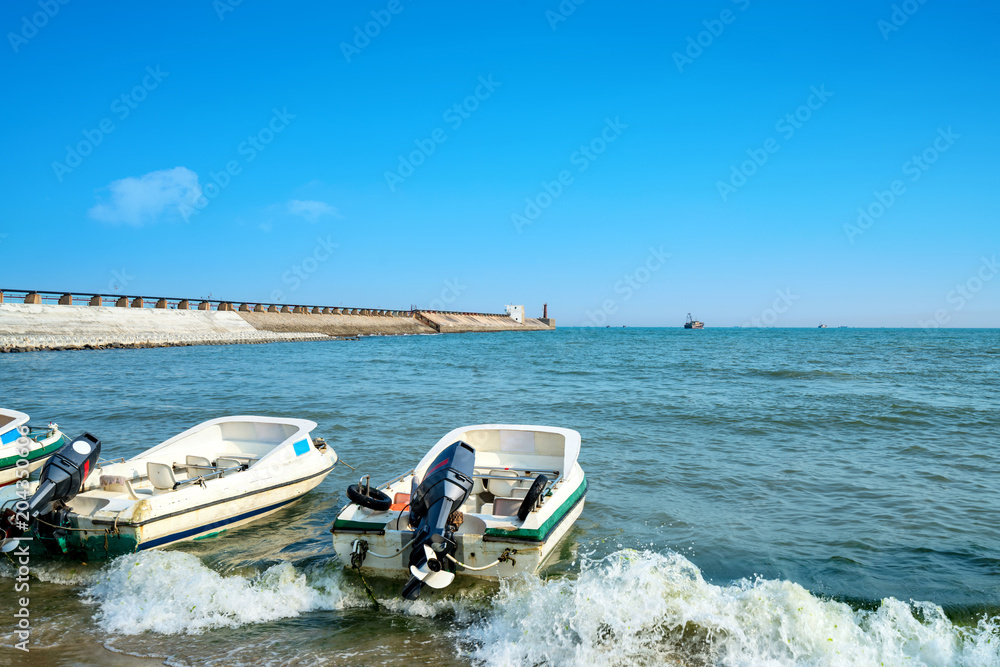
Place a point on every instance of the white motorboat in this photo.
(24, 448)
(487, 501)
(216, 476)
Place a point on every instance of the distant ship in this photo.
(693, 323)
(822, 326)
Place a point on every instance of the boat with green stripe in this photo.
(487, 501)
(24, 448)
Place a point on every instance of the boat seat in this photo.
(134, 493)
(520, 492)
(161, 476)
(199, 462)
(506, 506)
(223, 462)
(500, 487)
(249, 459)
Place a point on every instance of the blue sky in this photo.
(622, 162)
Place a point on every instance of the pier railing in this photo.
(174, 303)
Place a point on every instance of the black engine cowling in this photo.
(445, 486)
(62, 477)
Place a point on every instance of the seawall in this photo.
(40, 326)
(476, 322)
(25, 328)
(335, 325)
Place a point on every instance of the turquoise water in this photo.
(757, 497)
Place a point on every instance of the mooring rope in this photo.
(401, 550)
(357, 558)
(508, 554)
(82, 530)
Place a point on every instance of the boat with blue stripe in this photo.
(218, 475)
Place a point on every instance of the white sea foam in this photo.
(54, 572)
(641, 608)
(630, 608)
(171, 592)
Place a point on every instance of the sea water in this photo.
(757, 497)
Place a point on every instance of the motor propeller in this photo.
(61, 479)
(445, 486)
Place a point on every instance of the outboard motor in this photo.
(445, 487)
(61, 479)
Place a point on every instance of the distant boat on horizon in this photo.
(822, 326)
(693, 323)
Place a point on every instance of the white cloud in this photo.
(311, 210)
(148, 198)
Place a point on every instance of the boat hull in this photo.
(38, 452)
(218, 475)
(531, 549)
(528, 558)
(92, 539)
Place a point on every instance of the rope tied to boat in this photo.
(113, 530)
(81, 530)
(507, 555)
(369, 552)
(339, 460)
(358, 554)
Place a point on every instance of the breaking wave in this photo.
(642, 608)
(171, 592)
(629, 608)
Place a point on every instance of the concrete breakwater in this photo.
(444, 322)
(25, 328)
(138, 322)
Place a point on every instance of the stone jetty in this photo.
(93, 321)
